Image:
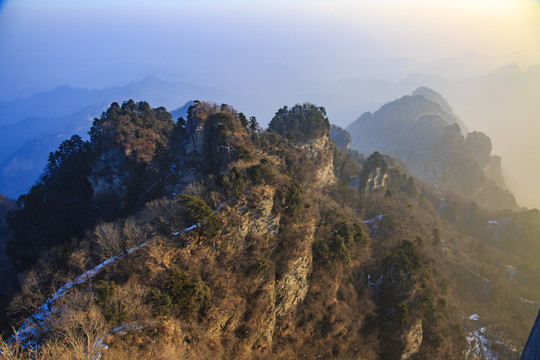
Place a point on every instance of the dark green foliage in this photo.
(243, 120)
(336, 245)
(294, 199)
(301, 123)
(260, 267)
(406, 256)
(199, 212)
(262, 173)
(62, 204)
(57, 207)
(134, 126)
(113, 311)
(104, 290)
(161, 304)
(242, 152)
(211, 227)
(134, 187)
(332, 249)
(232, 184)
(218, 148)
(359, 236)
(321, 251)
(349, 233)
(373, 162)
(403, 314)
(339, 249)
(187, 295)
(253, 124)
(344, 230)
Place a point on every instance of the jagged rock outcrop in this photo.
(292, 287)
(319, 150)
(108, 176)
(412, 340)
(376, 180)
(257, 220)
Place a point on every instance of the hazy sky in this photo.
(97, 43)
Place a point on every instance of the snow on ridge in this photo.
(376, 218)
(374, 223)
(220, 206)
(29, 328)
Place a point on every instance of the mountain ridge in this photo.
(295, 247)
(430, 142)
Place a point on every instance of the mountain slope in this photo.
(275, 270)
(262, 244)
(428, 140)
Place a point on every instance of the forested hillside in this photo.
(209, 237)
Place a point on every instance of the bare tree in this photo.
(28, 299)
(79, 332)
(133, 234)
(108, 240)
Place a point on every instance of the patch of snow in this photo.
(191, 227)
(442, 204)
(222, 205)
(498, 222)
(527, 301)
(176, 233)
(474, 317)
(377, 284)
(376, 218)
(479, 346)
(511, 271)
(374, 223)
(29, 328)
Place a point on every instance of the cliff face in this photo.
(376, 180)
(249, 222)
(319, 150)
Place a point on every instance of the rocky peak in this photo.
(437, 98)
